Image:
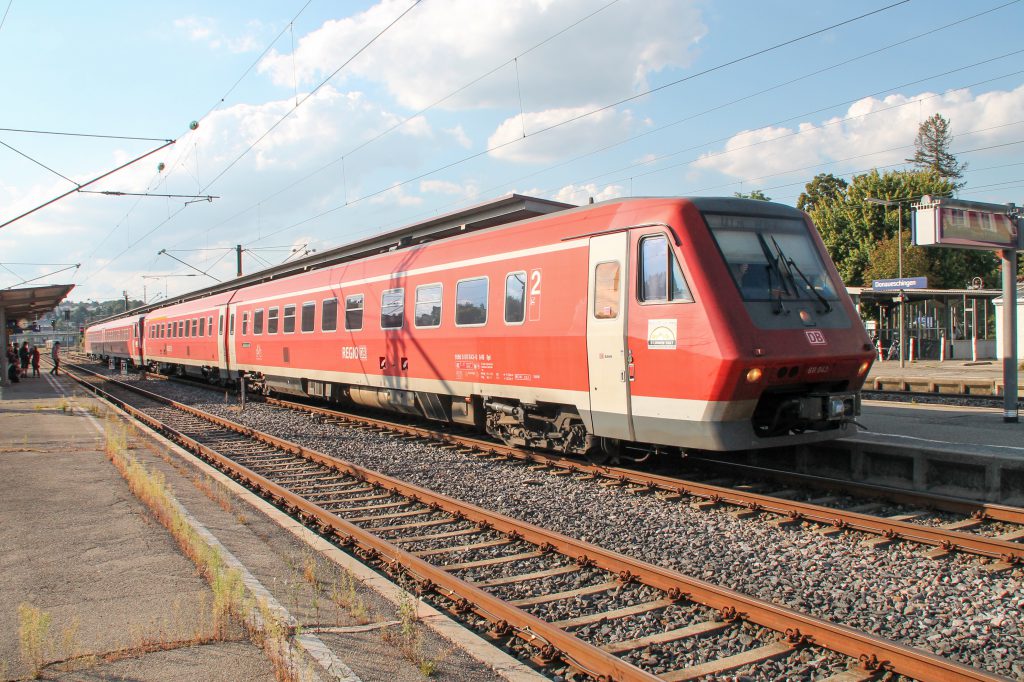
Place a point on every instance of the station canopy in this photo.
(29, 302)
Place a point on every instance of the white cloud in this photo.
(569, 139)
(869, 125)
(581, 194)
(396, 195)
(466, 190)
(460, 137)
(205, 30)
(438, 46)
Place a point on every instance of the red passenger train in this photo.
(701, 323)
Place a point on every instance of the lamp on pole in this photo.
(899, 253)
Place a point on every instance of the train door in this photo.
(606, 336)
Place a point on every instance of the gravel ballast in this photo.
(951, 607)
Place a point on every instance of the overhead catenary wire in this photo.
(411, 117)
(590, 112)
(390, 187)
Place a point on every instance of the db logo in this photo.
(815, 337)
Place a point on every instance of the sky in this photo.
(304, 125)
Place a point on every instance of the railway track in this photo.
(632, 621)
(1001, 546)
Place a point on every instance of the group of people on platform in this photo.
(20, 357)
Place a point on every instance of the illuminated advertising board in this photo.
(964, 224)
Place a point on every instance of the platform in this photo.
(76, 544)
(983, 377)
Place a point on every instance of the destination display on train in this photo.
(965, 224)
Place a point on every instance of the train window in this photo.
(186, 329)
(428, 306)
(329, 315)
(607, 290)
(515, 298)
(202, 326)
(354, 312)
(392, 308)
(471, 302)
(656, 262)
(245, 323)
(289, 319)
(257, 321)
(195, 327)
(771, 259)
(220, 324)
(272, 321)
(308, 316)
(231, 325)
(209, 324)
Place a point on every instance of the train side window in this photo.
(392, 308)
(515, 298)
(661, 278)
(231, 324)
(607, 287)
(272, 321)
(209, 324)
(257, 322)
(245, 323)
(308, 316)
(195, 327)
(202, 326)
(289, 319)
(188, 329)
(354, 312)
(471, 302)
(220, 323)
(428, 306)
(329, 315)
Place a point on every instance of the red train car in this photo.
(706, 323)
(119, 339)
(187, 338)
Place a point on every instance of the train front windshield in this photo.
(772, 259)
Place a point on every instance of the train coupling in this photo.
(832, 407)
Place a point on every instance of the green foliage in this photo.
(931, 150)
(861, 236)
(756, 194)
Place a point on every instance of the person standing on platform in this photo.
(56, 358)
(34, 355)
(23, 356)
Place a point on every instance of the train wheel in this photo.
(607, 452)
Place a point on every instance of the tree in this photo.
(756, 194)
(857, 233)
(824, 187)
(931, 151)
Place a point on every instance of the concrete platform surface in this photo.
(76, 543)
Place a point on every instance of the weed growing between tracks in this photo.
(230, 598)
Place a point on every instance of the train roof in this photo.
(503, 211)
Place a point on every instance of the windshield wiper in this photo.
(791, 266)
(773, 265)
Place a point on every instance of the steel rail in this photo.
(874, 652)
(1008, 552)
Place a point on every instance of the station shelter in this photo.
(1020, 321)
(945, 324)
(26, 303)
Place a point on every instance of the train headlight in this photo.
(754, 375)
(863, 369)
